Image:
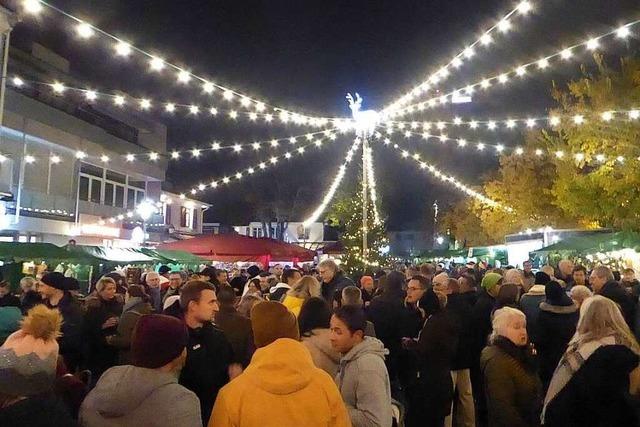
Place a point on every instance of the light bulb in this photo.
(233, 114)
(194, 109)
(554, 121)
(145, 104)
(195, 152)
(123, 48)
(256, 146)
(623, 32)
(84, 30)
(511, 123)
(607, 116)
(175, 155)
(578, 119)
(184, 76)
(579, 157)
(237, 148)
(503, 78)
(491, 125)
(32, 6)
(130, 157)
(531, 123)
(634, 114)
(468, 52)
(213, 111)
(592, 44)
(17, 81)
(156, 64)
(524, 7)
(118, 100)
(228, 95)
(521, 71)
(538, 152)
(80, 154)
(566, 54)
(55, 159)
(559, 154)
(543, 63)
(170, 107)
(456, 62)
(29, 159)
(504, 25)
(58, 87)
(153, 156)
(104, 158)
(519, 151)
(208, 87)
(486, 39)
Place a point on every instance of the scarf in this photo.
(571, 362)
(525, 355)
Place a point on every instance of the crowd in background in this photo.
(426, 345)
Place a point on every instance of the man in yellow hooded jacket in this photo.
(281, 386)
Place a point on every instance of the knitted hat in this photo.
(71, 284)
(490, 280)
(366, 280)
(55, 280)
(542, 278)
(157, 340)
(271, 320)
(555, 295)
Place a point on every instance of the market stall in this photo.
(617, 250)
(237, 248)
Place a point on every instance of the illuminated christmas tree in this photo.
(348, 212)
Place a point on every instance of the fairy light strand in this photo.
(371, 181)
(520, 71)
(123, 48)
(503, 26)
(337, 180)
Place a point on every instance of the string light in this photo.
(566, 53)
(511, 123)
(371, 183)
(502, 25)
(459, 185)
(334, 185)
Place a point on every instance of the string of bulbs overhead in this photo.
(337, 180)
(503, 26)
(522, 70)
(156, 64)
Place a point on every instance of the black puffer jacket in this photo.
(209, 355)
(556, 325)
(337, 284)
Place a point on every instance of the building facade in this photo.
(294, 232)
(64, 166)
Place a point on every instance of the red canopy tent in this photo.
(235, 248)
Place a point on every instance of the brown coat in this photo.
(513, 393)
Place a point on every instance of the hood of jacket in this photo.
(558, 309)
(282, 367)
(319, 338)
(536, 290)
(122, 389)
(369, 345)
(279, 286)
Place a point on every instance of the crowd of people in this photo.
(424, 345)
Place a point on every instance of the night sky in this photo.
(306, 55)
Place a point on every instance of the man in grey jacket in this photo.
(147, 392)
(362, 377)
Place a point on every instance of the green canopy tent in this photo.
(584, 248)
(14, 254)
(489, 253)
(601, 242)
(438, 254)
(108, 255)
(173, 258)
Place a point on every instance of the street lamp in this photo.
(145, 209)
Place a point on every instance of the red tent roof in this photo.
(234, 247)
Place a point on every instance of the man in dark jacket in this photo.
(52, 288)
(235, 326)
(209, 363)
(460, 306)
(333, 280)
(603, 283)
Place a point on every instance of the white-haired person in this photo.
(511, 384)
(579, 294)
(598, 373)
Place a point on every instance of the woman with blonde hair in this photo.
(304, 289)
(28, 368)
(597, 373)
(512, 388)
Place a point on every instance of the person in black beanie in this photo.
(557, 322)
(52, 288)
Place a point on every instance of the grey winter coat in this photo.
(132, 396)
(364, 384)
